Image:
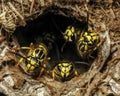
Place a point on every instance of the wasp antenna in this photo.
(62, 33)
(62, 48)
(84, 63)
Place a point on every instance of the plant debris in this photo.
(26, 21)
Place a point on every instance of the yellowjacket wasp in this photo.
(64, 71)
(36, 58)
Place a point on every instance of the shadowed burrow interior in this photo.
(48, 28)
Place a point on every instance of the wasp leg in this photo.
(99, 44)
(76, 73)
(21, 48)
(25, 48)
(53, 75)
(90, 56)
(19, 62)
(42, 70)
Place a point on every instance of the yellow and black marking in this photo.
(87, 43)
(64, 71)
(71, 33)
(35, 59)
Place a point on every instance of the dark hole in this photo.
(48, 28)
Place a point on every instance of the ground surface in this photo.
(103, 76)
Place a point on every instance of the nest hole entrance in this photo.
(48, 28)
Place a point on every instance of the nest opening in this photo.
(48, 28)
